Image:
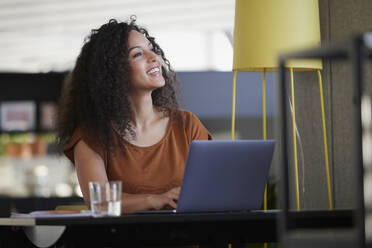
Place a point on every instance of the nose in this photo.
(152, 56)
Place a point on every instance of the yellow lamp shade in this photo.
(264, 29)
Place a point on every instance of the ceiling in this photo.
(46, 35)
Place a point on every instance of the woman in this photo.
(119, 118)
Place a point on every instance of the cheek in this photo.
(136, 69)
(133, 71)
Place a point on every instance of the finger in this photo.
(174, 196)
(172, 204)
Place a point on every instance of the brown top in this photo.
(153, 169)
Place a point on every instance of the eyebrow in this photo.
(130, 49)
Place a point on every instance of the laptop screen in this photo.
(224, 176)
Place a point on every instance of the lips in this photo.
(154, 70)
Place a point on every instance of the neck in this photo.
(143, 109)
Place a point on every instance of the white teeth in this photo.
(154, 70)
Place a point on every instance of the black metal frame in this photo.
(134, 230)
(356, 50)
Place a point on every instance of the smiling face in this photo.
(145, 65)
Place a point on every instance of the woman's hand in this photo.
(166, 199)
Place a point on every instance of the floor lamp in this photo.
(263, 30)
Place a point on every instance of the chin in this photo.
(160, 83)
(156, 83)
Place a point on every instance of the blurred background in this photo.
(39, 42)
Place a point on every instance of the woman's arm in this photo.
(90, 167)
(135, 202)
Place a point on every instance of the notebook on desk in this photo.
(223, 176)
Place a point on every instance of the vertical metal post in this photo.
(285, 223)
(357, 61)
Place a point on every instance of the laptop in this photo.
(223, 176)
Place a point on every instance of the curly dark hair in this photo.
(96, 92)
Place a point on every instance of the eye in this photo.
(137, 54)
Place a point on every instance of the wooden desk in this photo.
(213, 229)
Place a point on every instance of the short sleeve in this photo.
(80, 134)
(194, 128)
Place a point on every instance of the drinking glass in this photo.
(105, 198)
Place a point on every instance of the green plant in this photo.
(4, 139)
